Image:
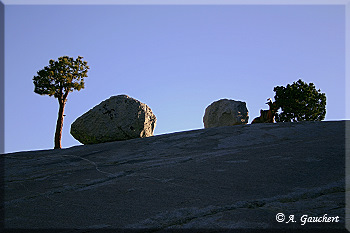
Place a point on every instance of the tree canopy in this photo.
(61, 77)
(300, 102)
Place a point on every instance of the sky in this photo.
(177, 59)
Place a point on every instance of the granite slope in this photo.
(218, 178)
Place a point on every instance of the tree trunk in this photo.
(59, 125)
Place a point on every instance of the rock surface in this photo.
(218, 178)
(117, 118)
(225, 112)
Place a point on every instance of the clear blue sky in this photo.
(177, 59)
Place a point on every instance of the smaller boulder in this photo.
(225, 112)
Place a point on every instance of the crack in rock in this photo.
(93, 163)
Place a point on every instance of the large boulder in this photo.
(117, 118)
(225, 112)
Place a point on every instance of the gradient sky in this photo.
(177, 59)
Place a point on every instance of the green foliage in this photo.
(61, 77)
(300, 102)
(58, 79)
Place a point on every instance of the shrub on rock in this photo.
(300, 101)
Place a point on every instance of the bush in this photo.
(300, 102)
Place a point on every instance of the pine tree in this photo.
(58, 79)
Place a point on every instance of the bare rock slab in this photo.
(236, 177)
(115, 119)
(225, 112)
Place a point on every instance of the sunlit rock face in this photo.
(225, 112)
(117, 118)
